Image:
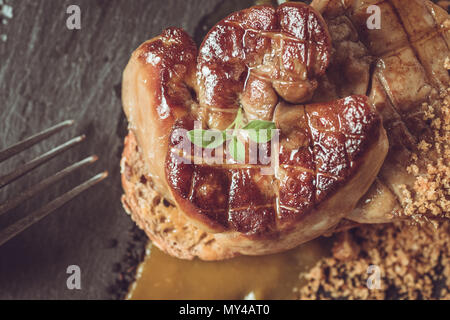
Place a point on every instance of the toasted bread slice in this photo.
(168, 229)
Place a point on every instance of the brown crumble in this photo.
(414, 262)
(429, 198)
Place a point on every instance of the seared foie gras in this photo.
(258, 64)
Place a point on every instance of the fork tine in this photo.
(21, 225)
(32, 191)
(8, 178)
(28, 142)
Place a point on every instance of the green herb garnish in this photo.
(214, 138)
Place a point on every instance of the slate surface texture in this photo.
(49, 74)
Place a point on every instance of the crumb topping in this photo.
(429, 198)
(414, 262)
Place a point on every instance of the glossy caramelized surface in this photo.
(255, 55)
(155, 92)
(320, 147)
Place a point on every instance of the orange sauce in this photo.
(161, 276)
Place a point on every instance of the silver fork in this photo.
(22, 224)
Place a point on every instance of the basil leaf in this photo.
(260, 136)
(196, 137)
(237, 120)
(260, 131)
(237, 149)
(228, 134)
(260, 124)
(206, 138)
(215, 138)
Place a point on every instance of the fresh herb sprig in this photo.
(212, 139)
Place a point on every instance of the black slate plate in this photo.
(49, 74)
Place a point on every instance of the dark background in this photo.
(49, 74)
